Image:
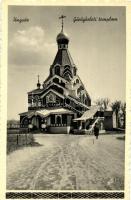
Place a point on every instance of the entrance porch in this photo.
(52, 121)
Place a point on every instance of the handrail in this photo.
(92, 126)
(73, 108)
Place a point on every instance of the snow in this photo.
(68, 162)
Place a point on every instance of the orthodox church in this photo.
(61, 104)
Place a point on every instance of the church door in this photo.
(36, 123)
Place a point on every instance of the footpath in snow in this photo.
(68, 162)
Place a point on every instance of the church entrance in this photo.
(36, 125)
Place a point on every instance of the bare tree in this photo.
(103, 103)
(99, 103)
(123, 108)
(106, 102)
(115, 108)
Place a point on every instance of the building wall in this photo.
(108, 123)
(65, 129)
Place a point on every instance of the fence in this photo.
(15, 141)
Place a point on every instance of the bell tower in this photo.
(63, 64)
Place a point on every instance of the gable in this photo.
(54, 93)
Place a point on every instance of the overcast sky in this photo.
(97, 48)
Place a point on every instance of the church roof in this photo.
(46, 112)
(36, 91)
(62, 38)
(63, 58)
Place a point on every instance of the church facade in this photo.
(61, 104)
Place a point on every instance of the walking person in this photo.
(96, 130)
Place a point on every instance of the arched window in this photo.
(36, 122)
(80, 89)
(77, 81)
(58, 120)
(62, 84)
(56, 80)
(68, 101)
(74, 83)
(57, 70)
(50, 98)
(25, 121)
(74, 71)
(83, 98)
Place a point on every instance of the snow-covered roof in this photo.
(47, 112)
(88, 114)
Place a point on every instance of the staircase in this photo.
(72, 108)
(91, 128)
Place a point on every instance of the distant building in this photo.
(13, 124)
(61, 104)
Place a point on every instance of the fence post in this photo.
(26, 138)
(17, 139)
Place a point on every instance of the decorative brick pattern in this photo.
(64, 195)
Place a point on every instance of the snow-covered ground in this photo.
(68, 162)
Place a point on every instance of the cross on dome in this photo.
(62, 22)
(38, 83)
(62, 38)
(38, 78)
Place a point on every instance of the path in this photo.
(67, 162)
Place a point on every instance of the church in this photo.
(61, 104)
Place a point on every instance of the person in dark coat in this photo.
(96, 130)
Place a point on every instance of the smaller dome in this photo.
(62, 38)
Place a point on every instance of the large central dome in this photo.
(62, 38)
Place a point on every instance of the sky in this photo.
(98, 49)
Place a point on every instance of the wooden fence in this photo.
(14, 141)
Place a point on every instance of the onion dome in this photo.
(62, 38)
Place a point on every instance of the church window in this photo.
(39, 103)
(44, 101)
(68, 101)
(67, 73)
(62, 84)
(56, 80)
(52, 119)
(74, 71)
(58, 119)
(24, 122)
(77, 81)
(57, 70)
(50, 98)
(64, 119)
(74, 83)
(83, 98)
(80, 89)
